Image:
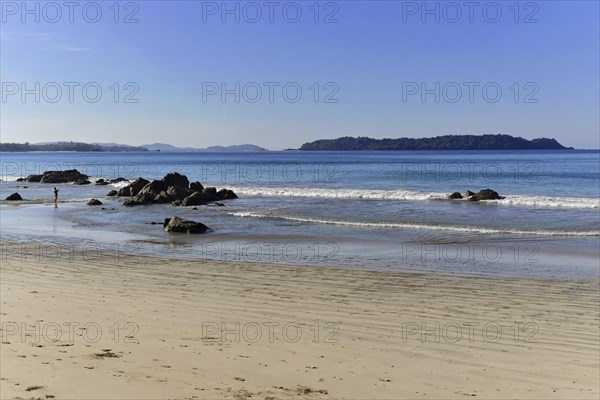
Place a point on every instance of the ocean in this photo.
(367, 210)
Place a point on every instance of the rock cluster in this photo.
(68, 176)
(485, 194)
(174, 188)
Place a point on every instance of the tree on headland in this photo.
(66, 146)
(446, 142)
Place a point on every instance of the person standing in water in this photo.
(55, 197)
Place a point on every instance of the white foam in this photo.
(549, 201)
(398, 194)
(7, 178)
(463, 229)
(367, 194)
(119, 185)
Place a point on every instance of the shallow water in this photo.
(358, 210)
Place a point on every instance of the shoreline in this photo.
(351, 334)
(549, 257)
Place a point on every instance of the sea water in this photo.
(370, 210)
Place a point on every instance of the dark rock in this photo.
(34, 178)
(179, 225)
(468, 194)
(195, 208)
(176, 203)
(67, 176)
(163, 198)
(101, 182)
(210, 194)
(226, 194)
(150, 191)
(14, 197)
(166, 222)
(118, 180)
(94, 202)
(485, 194)
(23, 179)
(176, 179)
(195, 199)
(196, 186)
(455, 195)
(82, 182)
(177, 192)
(134, 188)
(137, 185)
(131, 203)
(112, 193)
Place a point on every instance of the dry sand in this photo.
(304, 333)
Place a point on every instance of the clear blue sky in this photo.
(372, 56)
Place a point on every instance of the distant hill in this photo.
(115, 147)
(68, 146)
(168, 147)
(447, 142)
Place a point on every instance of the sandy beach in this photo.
(147, 328)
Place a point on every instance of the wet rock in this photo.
(162, 198)
(180, 225)
(112, 193)
(176, 179)
(131, 203)
(101, 182)
(177, 192)
(118, 180)
(196, 186)
(14, 197)
(134, 188)
(455, 195)
(150, 191)
(34, 178)
(67, 176)
(210, 193)
(226, 194)
(485, 194)
(195, 199)
(94, 202)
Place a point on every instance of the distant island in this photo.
(446, 142)
(68, 146)
(114, 147)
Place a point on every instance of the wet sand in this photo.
(150, 328)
